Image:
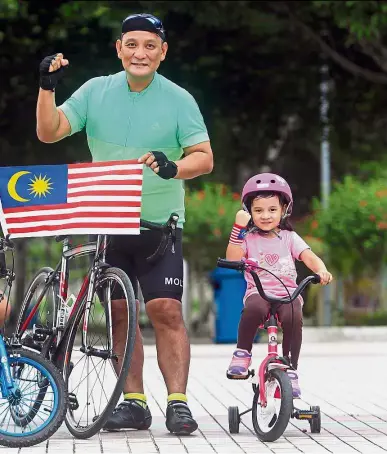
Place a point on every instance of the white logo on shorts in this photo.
(174, 281)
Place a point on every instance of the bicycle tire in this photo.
(283, 417)
(97, 424)
(54, 376)
(39, 278)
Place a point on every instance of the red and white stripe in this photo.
(102, 198)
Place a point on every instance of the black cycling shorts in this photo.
(163, 279)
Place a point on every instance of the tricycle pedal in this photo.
(305, 414)
(251, 373)
(237, 377)
(29, 342)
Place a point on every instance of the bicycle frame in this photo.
(99, 249)
(68, 253)
(272, 360)
(7, 385)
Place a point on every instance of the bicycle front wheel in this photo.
(22, 422)
(96, 362)
(270, 422)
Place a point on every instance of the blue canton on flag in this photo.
(33, 185)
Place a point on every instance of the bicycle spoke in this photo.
(85, 376)
(87, 399)
(103, 381)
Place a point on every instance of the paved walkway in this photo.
(347, 380)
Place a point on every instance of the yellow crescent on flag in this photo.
(12, 186)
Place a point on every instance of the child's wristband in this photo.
(237, 234)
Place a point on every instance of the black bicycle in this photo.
(76, 333)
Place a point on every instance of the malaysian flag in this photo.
(75, 199)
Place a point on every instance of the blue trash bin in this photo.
(229, 288)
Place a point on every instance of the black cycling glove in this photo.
(48, 81)
(167, 168)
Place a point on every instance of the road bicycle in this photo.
(76, 333)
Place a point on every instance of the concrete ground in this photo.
(346, 379)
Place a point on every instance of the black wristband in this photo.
(167, 168)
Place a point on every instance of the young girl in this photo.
(270, 239)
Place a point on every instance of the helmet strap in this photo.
(265, 232)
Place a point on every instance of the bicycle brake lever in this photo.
(172, 225)
(173, 238)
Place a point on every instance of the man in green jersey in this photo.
(127, 115)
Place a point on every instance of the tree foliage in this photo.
(354, 228)
(210, 215)
(254, 68)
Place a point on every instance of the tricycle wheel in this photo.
(315, 422)
(233, 420)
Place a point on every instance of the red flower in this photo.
(363, 203)
(314, 224)
(235, 196)
(382, 193)
(312, 238)
(372, 217)
(217, 232)
(382, 225)
(201, 195)
(221, 211)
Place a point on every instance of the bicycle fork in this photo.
(272, 361)
(7, 384)
(91, 351)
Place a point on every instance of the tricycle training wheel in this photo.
(233, 420)
(315, 423)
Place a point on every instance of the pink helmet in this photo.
(268, 182)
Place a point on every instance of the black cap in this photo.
(143, 22)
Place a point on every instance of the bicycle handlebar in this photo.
(167, 229)
(231, 265)
(250, 267)
(173, 218)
